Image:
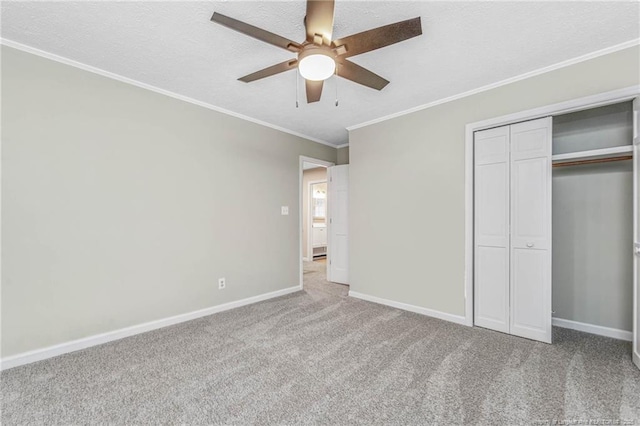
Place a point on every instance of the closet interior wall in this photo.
(592, 221)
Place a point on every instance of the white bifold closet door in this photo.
(512, 283)
(491, 254)
(530, 314)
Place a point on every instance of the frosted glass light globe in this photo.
(317, 67)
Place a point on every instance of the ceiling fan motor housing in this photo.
(314, 49)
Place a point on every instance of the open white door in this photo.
(337, 249)
(636, 232)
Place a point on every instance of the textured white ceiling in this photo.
(174, 46)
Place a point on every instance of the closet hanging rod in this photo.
(593, 161)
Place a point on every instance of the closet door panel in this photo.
(531, 139)
(530, 263)
(530, 203)
(530, 302)
(492, 146)
(491, 254)
(492, 188)
(492, 288)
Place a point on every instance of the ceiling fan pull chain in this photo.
(297, 84)
(336, 77)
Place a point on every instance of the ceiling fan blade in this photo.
(319, 20)
(358, 74)
(256, 32)
(314, 90)
(272, 70)
(376, 38)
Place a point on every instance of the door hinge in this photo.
(636, 137)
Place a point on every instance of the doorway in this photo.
(315, 254)
(314, 213)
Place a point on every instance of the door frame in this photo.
(319, 162)
(588, 102)
(310, 217)
(635, 338)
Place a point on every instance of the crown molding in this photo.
(510, 80)
(118, 77)
(123, 79)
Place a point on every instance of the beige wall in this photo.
(343, 155)
(310, 175)
(411, 217)
(121, 205)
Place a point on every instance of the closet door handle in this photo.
(529, 245)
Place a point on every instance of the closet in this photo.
(593, 217)
(553, 223)
(513, 229)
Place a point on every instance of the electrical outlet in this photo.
(222, 283)
(284, 210)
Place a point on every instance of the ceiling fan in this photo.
(319, 56)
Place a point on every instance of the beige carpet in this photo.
(320, 357)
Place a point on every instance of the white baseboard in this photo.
(593, 329)
(458, 319)
(98, 339)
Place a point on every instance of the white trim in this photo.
(580, 104)
(468, 227)
(491, 86)
(301, 161)
(635, 345)
(593, 329)
(458, 319)
(123, 79)
(2, 205)
(594, 153)
(99, 339)
(593, 101)
(344, 145)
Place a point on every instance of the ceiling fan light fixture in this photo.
(317, 67)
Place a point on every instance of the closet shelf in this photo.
(594, 154)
